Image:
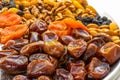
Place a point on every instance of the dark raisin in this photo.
(1, 7)
(21, 7)
(86, 19)
(20, 13)
(97, 16)
(107, 22)
(5, 3)
(104, 18)
(12, 6)
(78, 18)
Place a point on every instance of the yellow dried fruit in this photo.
(104, 27)
(50, 2)
(77, 5)
(92, 25)
(14, 10)
(114, 38)
(68, 13)
(93, 33)
(90, 9)
(28, 16)
(113, 26)
(92, 29)
(25, 3)
(117, 32)
(117, 42)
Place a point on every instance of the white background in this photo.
(109, 7)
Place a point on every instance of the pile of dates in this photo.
(44, 56)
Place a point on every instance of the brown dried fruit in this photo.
(111, 52)
(54, 48)
(44, 78)
(14, 64)
(20, 77)
(40, 67)
(31, 48)
(49, 35)
(62, 74)
(76, 48)
(98, 69)
(78, 70)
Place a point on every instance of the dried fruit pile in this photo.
(56, 40)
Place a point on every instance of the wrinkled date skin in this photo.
(111, 52)
(79, 33)
(15, 44)
(98, 69)
(90, 51)
(34, 56)
(62, 74)
(34, 37)
(54, 48)
(77, 48)
(67, 39)
(104, 36)
(44, 78)
(42, 56)
(31, 48)
(14, 64)
(38, 26)
(4, 53)
(98, 41)
(20, 77)
(40, 67)
(49, 36)
(78, 70)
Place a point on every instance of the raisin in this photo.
(21, 7)
(21, 13)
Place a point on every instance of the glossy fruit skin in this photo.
(20, 77)
(15, 44)
(31, 48)
(98, 69)
(67, 39)
(43, 77)
(49, 36)
(40, 67)
(111, 52)
(90, 51)
(80, 33)
(14, 64)
(78, 70)
(4, 53)
(77, 48)
(54, 48)
(34, 37)
(38, 26)
(62, 74)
